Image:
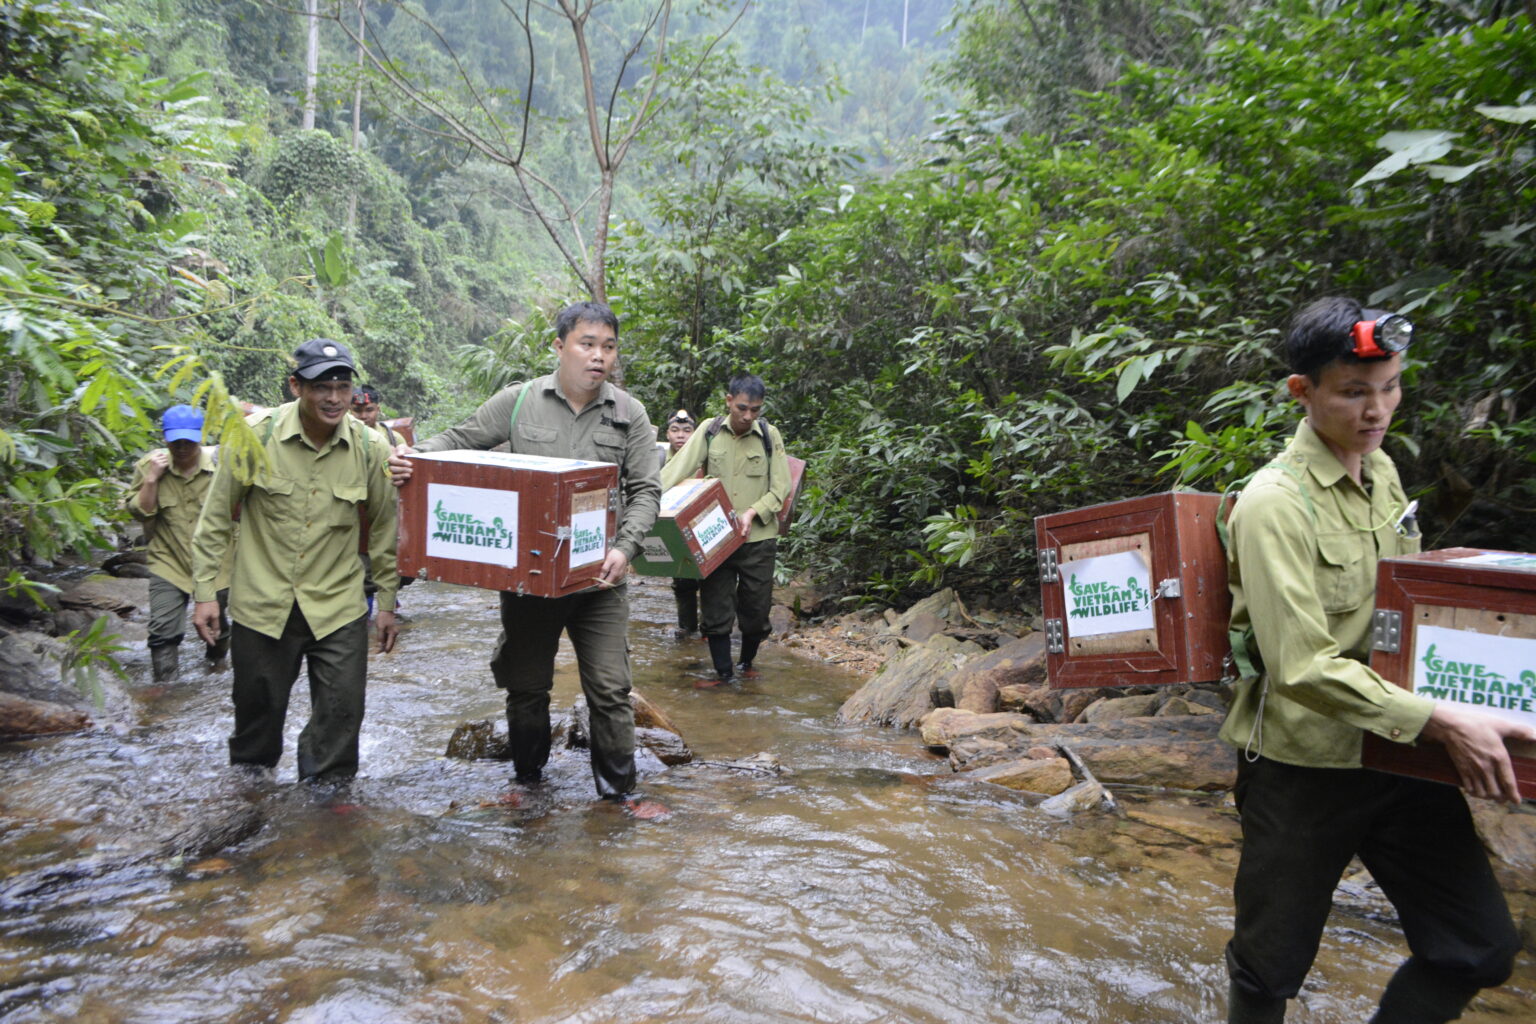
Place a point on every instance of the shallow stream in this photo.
(865, 884)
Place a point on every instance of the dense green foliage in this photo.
(1067, 294)
(1075, 301)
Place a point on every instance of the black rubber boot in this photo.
(720, 655)
(165, 661)
(749, 646)
(1244, 1007)
(687, 612)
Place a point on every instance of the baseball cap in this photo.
(323, 359)
(182, 423)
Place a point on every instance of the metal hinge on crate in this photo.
(1387, 631)
(1173, 587)
(1055, 637)
(1048, 573)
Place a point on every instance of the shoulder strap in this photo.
(516, 408)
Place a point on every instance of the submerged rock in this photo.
(1029, 775)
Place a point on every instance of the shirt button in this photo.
(1396, 733)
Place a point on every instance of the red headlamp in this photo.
(1378, 339)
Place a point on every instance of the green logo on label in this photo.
(1090, 600)
(1471, 682)
(707, 532)
(584, 539)
(465, 528)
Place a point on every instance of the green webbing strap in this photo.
(511, 437)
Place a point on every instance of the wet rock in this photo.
(1085, 796)
(1183, 706)
(900, 693)
(1113, 709)
(131, 564)
(667, 745)
(1171, 753)
(72, 620)
(30, 667)
(977, 685)
(108, 594)
(21, 609)
(923, 626)
(780, 620)
(477, 741)
(21, 716)
(654, 731)
(648, 715)
(1199, 825)
(1029, 775)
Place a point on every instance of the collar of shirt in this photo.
(205, 464)
(1325, 466)
(605, 392)
(755, 428)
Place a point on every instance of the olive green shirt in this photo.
(752, 480)
(299, 528)
(1301, 564)
(168, 526)
(611, 428)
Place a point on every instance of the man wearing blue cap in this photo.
(167, 493)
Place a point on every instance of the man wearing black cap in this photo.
(297, 592)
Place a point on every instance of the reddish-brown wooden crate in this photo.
(1457, 625)
(695, 532)
(1177, 630)
(404, 428)
(501, 521)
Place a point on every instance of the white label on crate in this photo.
(1107, 594)
(654, 549)
(712, 528)
(1476, 670)
(472, 524)
(509, 460)
(589, 537)
(680, 495)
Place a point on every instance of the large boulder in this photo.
(112, 594)
(1170, 753)
(900, 694)
(20, 716)
(1048, 777)
(32, 667)
(977, 685)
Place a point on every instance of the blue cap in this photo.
(182, 423)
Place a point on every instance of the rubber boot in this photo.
(165, 661)
(1244, 1007)
(1422, 995)
(687, 612)
(749, 646)
(720, 654)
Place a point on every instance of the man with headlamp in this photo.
(1306, 535)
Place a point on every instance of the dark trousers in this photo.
(168, 614)
(685, 592)
(1301, 827)
(265, 668)
(597, 621)
(740, 591)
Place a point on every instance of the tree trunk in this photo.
(357, 110)
(311, 62)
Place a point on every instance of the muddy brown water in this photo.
(865, 884)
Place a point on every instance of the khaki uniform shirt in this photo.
(611, 428)
(168, 526)
(1305, 539)
(752, 479)
(298, 538)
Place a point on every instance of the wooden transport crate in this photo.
(404, 428)
(1457, 625)
(695, 532)
(796, 478)
(1134, 592)
(501, 521)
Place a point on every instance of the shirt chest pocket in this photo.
(754, 465)
(1344, 571)
(272, 497)
(608, 445)
(348, 501)
(533, 439)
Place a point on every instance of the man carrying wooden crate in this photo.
(573, 413)
(1306, 535)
